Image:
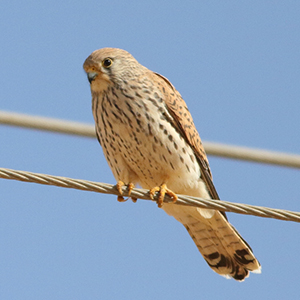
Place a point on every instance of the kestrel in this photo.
(149, 138)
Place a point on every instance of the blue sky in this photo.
(236, 64)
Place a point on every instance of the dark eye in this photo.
(107, 62)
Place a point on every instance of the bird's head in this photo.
(110, 66)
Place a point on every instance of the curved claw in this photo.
(119, 186)
(163, 190)
(129, 186)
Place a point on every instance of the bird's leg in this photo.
(129, 186)
(163, 190)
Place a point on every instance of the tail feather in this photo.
(225, 251)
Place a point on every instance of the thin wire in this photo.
(144, 194)
(86, 130)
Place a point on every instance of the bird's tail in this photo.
(225, 251)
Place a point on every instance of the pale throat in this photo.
(101, 83)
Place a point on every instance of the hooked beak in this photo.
(91, 76)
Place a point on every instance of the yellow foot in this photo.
(163, 190)
(130, 187)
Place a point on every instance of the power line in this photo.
(47, 124)
(254, 155)
(144, 194)
(87, 130)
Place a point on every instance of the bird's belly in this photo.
(142, 144)
(157, 154)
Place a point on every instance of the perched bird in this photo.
(149, 138)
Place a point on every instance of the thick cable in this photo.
(144, 194)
